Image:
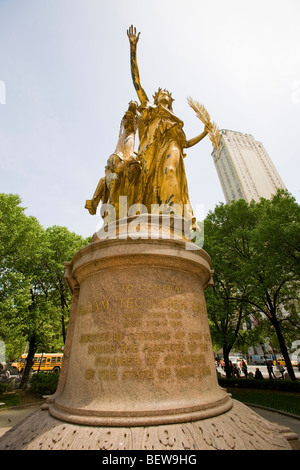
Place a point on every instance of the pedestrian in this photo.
(258, 374)
(270, 370)
(281, 370)
(236, 371)
(231, 370)
(245, 369)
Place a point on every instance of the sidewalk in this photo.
(9, 417)
(284, 419)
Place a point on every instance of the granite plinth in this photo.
(141, 332)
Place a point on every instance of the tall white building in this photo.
(244, 168)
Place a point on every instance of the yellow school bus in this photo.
(42, 361)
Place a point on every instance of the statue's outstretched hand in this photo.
(133, 37)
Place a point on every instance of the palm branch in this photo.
(212, 128)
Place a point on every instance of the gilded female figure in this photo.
(161, 147)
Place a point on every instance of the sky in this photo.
(65, 84)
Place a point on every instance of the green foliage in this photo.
(3, 387)
(279, 400)
(255, 251)
(265, 384)
(20, 398)
(34, 298)
(44, 383)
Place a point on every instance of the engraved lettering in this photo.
(167, 347)
(164, 373)
(101, 348)
(138, 374)
(185, 372)
(153, 337)
(154, 302)
(100, 306)
(95, 338)
(151, 360)
(143, 287)
(89, 374)
(132, 348)
(187, 359)
(149, 336)
(107, 374)
(118, 361)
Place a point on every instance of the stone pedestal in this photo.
(138, 369)
(141, 350)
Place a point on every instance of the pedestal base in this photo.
(238, 429)
(139, 350)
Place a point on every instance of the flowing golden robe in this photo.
(162, 179)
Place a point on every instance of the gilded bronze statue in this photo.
(161, 149)
(154, 176)
(122, 170)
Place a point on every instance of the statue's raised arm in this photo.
(133, 40)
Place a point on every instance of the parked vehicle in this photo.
(258, 359)
(280, 361)
(42, 361)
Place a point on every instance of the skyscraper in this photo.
(244, 168)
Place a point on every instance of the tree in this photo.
(33, 294)
(227, 313)
(255, 250)
(21, 252)
(63, 244)
(277, 241)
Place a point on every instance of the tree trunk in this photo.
(283, 348)
(29, 363)
(226, 352)
(63, 327)
(64, 306)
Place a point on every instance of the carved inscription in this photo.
(152, 339)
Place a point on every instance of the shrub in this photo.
(3, 387)
(44, 383)
(265, 384)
